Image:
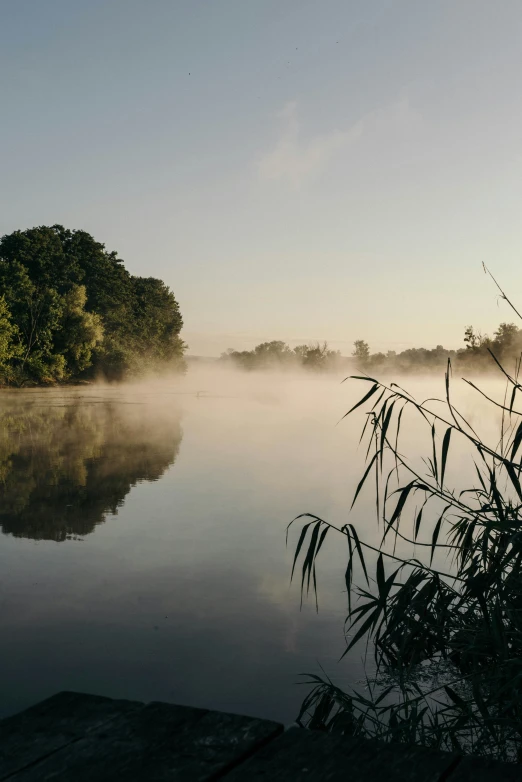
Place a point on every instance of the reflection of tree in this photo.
(65, 466)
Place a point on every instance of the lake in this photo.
(143, 539)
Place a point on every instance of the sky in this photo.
(328, 170)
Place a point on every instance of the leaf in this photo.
(402, 501)
(308, 562)
(349, 569)
(380, 574)
(512, 402)
(397, 438)
(299, 545)
(365, 398)
(435, 469)
(317, 550)
(384, 429)
(321, 540)
(436, 531)
(457, 700)
(418, 522)
(363, 479)
(497, 498)
(445, 448)
(384, 694)
(479, 474)
(359, 550)
(515, 479)
(372, 619)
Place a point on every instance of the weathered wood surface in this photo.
(75, 738)
(302, 755)
(52, 725)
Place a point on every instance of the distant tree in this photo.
(376, 359)
(471, 339)
(361, 351)
(301, 351)
(506, 334)
(275, 352)
(507, 342)
(317, 356)
(244, 359)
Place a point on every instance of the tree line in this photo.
(278, 355)
(69, 310)
(505, 345)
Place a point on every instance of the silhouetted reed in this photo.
(447, 639)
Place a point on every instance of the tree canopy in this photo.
(278, 355)
(69, 309)
(505, 345)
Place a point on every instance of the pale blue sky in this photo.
(335, 169)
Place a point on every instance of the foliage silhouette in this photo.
(278, 355)
(506, 344)
(446, 638)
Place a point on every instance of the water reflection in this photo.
(64, 467)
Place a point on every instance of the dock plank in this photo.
(302, 756)
(73, 737)
(157, 743)
(53, 724)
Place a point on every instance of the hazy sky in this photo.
(292, 169)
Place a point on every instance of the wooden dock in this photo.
(74, 737)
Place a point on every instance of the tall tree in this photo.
(10, 347)
(78, 310)
(79, 331)
(361, 351)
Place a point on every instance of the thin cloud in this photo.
(295, 159)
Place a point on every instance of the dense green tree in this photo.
(42, 254)
(158, 321)
(78, 311)
(10, 347)
(79, 332)
(36, 311)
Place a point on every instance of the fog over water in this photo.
(143, 548)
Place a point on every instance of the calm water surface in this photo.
(143, 540)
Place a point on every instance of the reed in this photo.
(447, 641)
